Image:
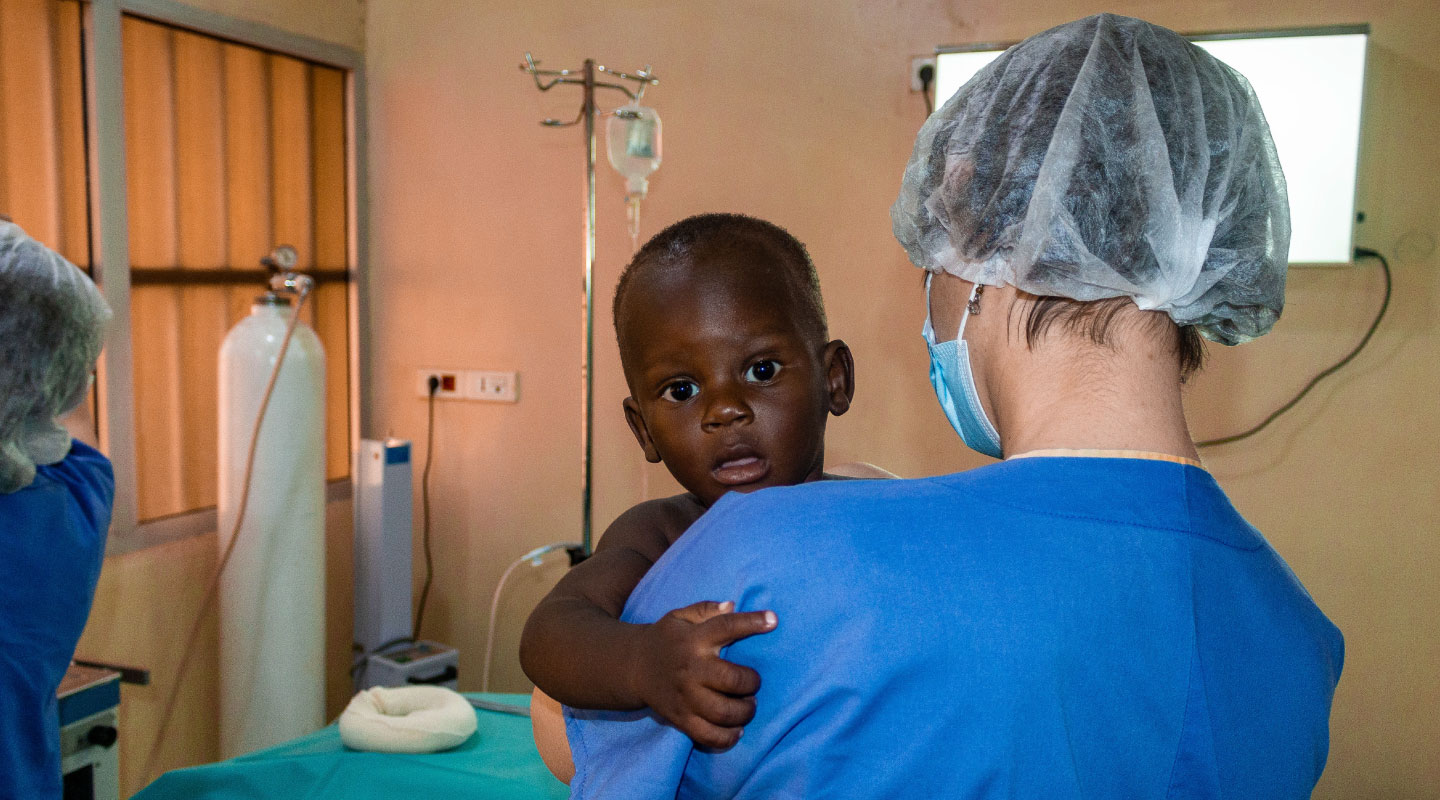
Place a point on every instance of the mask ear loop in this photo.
(972, 306)
(928, 331)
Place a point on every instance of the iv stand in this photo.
(585, 77)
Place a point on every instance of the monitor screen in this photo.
(1310, 85)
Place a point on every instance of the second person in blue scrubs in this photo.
(55, 500)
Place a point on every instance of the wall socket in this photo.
(917, 84)
(457, 384)
(451, 383)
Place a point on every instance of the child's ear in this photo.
(642, 434)
(839, 376)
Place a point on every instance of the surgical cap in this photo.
(52, 321)
(1106, 158)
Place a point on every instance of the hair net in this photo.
(52, 320)
(1106, 158)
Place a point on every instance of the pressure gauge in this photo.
(283, 257)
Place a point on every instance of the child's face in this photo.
(726, 388)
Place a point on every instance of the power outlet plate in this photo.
(487, 386)
(492, 386)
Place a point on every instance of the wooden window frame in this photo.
(110, 235)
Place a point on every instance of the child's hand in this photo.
(679, 672)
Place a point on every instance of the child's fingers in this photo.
(709, 735)
(727, 628)
(723, 710)
(730, 678)
(702, 611)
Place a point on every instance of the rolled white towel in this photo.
(409, 719)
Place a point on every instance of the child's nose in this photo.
(725, 409)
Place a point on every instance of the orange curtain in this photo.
(230, 150)
(42, 124)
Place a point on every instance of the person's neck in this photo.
(1067, 396)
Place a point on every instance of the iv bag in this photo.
(632, 139)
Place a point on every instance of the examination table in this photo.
(499, 761)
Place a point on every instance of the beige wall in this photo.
(798, 112)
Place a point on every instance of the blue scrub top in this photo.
(52, 542)
(1042, 627)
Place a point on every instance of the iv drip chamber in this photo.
(632, 142)
(272, 594)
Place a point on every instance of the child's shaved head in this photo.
(767, 250)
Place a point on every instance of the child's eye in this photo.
(763, 371)
(679, 391)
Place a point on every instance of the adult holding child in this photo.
(1091, 617)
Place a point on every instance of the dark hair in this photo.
(693, 238)
(1096, 318)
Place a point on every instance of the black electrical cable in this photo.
(927, 79)
(425, 508)
(1360, 252)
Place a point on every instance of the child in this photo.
(724, 346)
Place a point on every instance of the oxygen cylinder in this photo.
(272, 594)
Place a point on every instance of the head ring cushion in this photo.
(410, 719)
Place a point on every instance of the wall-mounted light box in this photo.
(1310, 83)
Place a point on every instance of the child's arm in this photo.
(577, 651)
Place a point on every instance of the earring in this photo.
(973, 307)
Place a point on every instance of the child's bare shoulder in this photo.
(652, 526)
(671, 516)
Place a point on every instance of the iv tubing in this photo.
(534, 556)
(213, 589)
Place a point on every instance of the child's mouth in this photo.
(741, 470)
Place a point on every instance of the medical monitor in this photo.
(1310, 84)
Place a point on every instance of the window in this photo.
(1310, 84)
(167, 149)
(230, 150)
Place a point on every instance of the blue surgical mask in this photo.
(954, 384)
